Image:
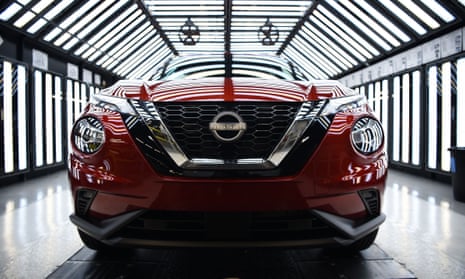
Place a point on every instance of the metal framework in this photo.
(329, 38)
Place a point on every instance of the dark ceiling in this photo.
(329, 39)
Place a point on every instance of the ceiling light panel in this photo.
(439, 10)
(368, 22)
(403, 16)
(29, 15)
(249, 16)
(389, 25)
(308, 35)
(420, 13)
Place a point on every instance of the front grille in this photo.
(243, 226)
(189, 124)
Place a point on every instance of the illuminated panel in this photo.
(22, 118)
(416, 117)
(48, 119)
(385, 115)
(69, 105)
(403, 16)
(39, 144)
(58, 124)
(461, 102)
(363, 25)
(446, 117)
(8, 117)
(432, 118)
(405, 111)
(396, 120)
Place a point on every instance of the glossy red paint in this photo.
(329, 181)
(226, 90)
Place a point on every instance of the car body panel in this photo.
(226, 90)
(329, 183)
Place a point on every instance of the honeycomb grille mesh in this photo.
(189, 125)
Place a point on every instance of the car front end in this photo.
(231, 161)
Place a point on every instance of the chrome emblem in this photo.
(228, 126)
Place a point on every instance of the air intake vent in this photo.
(84, 200)
(370, 198)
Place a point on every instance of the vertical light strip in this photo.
(83, 97)
(461, 102)
(76, 100)
(385, 98)
(416, 117)
(58, 114)
(69, 105)
(432, 117)
(8, 117)
(396, 120)
(362, 91)
(406, 118)
(22, 119)
(39, 143)
(446, 117)
(371, 96)
(48, 119)
(377, 101)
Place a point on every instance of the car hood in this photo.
(228, 90)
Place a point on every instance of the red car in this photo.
(227, 151)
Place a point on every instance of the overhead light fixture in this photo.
(268, 34)
(189, 33)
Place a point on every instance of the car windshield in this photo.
(203, 66)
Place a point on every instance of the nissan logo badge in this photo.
(228, 126)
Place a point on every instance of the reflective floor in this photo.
(423, 236)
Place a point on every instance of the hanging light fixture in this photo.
(189, 33)
(268, 34)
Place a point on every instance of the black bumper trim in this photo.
(349, 227)
(107, 227)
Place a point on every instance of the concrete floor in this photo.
(423, 237)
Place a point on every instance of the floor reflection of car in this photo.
(227, 151)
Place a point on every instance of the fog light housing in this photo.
(84, 198)
(370, 198)
(88, 135)
(367, 135)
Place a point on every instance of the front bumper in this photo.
(328, 229)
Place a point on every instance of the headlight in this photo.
(367, 135)
(342, 104)
(88, 135)
(112, 103)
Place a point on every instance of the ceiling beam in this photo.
(298, 26)
(227, 25)
(157, 26)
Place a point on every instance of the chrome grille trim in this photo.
(307, 113)
(152, 120)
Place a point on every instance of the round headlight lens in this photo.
(367, 135)
(88, 135)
